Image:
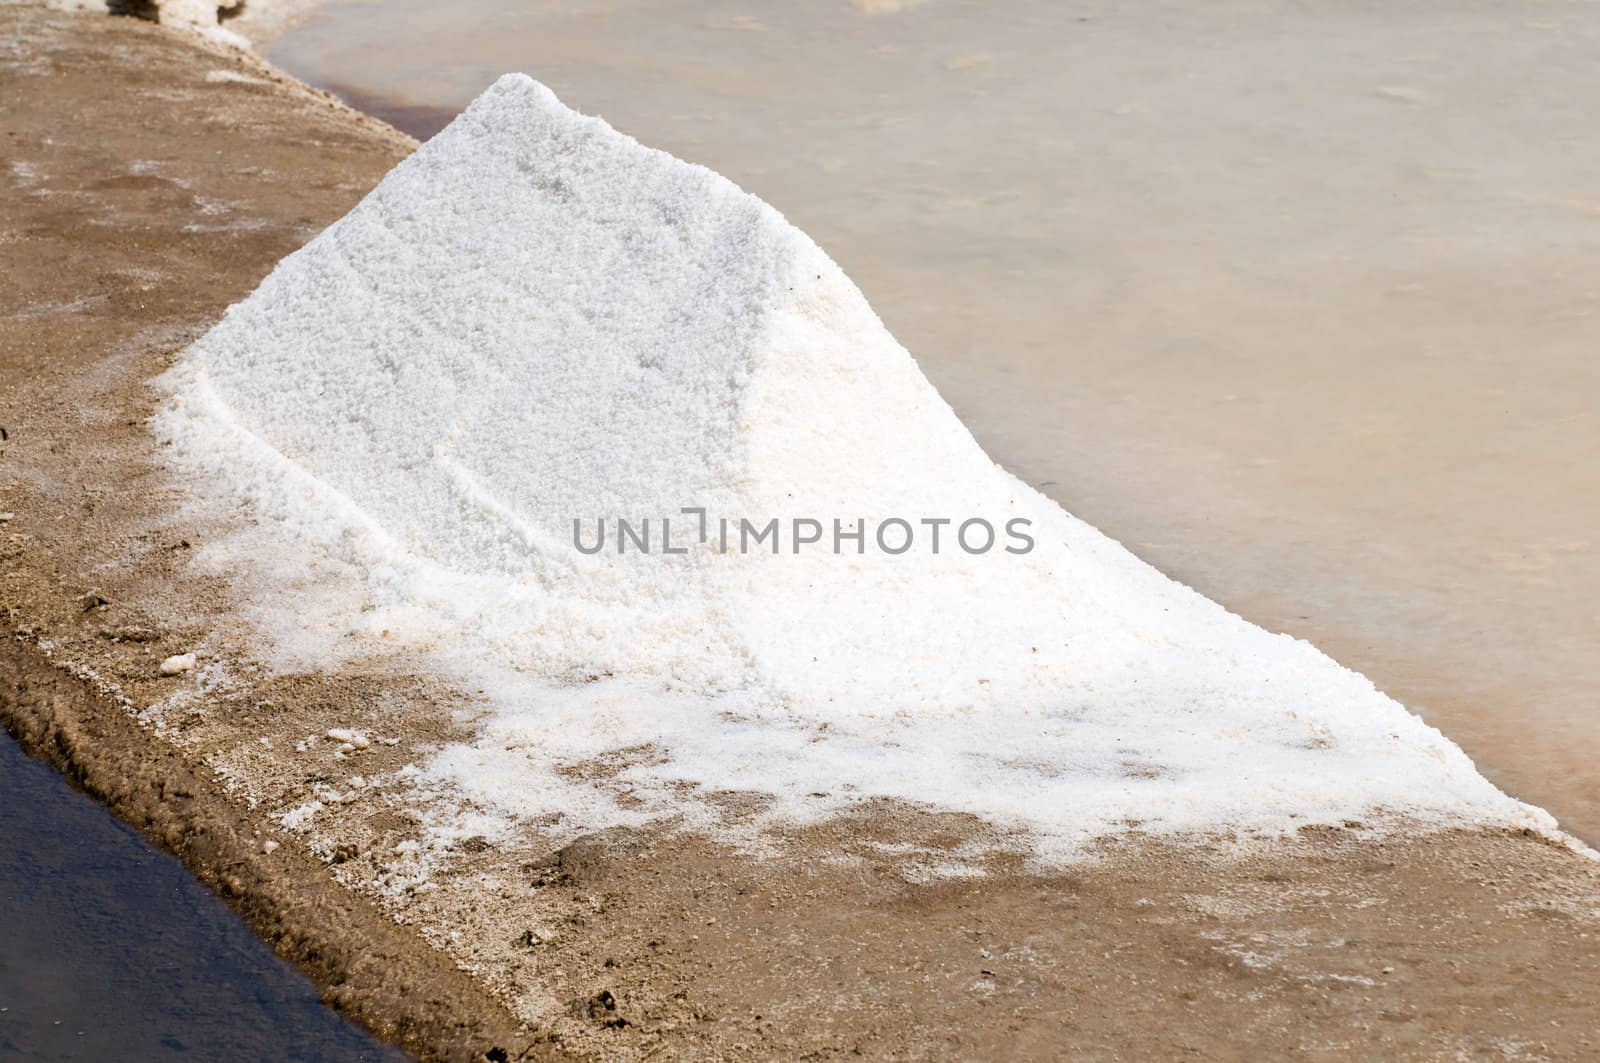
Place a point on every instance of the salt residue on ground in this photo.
(535, 319)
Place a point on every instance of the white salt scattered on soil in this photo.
(223, 75)
(536, 319)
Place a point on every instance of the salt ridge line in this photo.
(535, 319)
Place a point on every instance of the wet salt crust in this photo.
(536, 320)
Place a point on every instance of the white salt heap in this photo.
(536, 319)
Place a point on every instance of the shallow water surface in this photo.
(111, 950)
(1298, 301)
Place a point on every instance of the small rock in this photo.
(602, 1008)
(269, 846)
(353, 739)
(6, 516)
(177, 664)
(130, 634)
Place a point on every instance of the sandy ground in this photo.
(145, 192)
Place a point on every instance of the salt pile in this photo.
(535, 320)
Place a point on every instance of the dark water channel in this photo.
(110, 950)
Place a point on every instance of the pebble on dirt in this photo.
(177, 664)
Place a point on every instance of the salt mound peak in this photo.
(535, 320)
